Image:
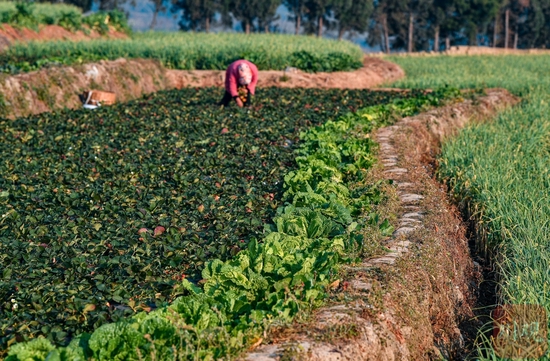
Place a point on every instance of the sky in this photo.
(141, 14)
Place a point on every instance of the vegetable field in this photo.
(31, 15)
(504, 169)
(520, 74)
(500, 170)
(189, 51)
(110, 212)
(26, 14)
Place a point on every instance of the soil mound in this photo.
(10, 34)
(375, 71)
(59, 87)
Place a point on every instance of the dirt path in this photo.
(408, 304)
(59, 88)
(465, 50)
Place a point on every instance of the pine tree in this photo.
(267, 13)
(501, 23)
(405, 21)
(443, 22)
(158, 6)
(379, 29)
(244, 11)
(197, 14)
(418, 30)
(298, 9)
(533, 27)
(317, 12)
(352, 15)
(475, 17)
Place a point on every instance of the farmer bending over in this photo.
(241, 78)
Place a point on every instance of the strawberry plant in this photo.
(287, 271)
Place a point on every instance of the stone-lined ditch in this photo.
(413, 302)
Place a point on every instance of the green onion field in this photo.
(501, 168)
(189, 51)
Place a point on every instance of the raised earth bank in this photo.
(10, 34)
(374, 72)
(59, 87)
(411, 303)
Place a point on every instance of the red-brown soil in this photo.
(374, 72)
(60, 87)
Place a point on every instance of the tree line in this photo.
(393, 25)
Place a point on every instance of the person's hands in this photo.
(239, 102)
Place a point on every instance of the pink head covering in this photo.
(245, 74)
